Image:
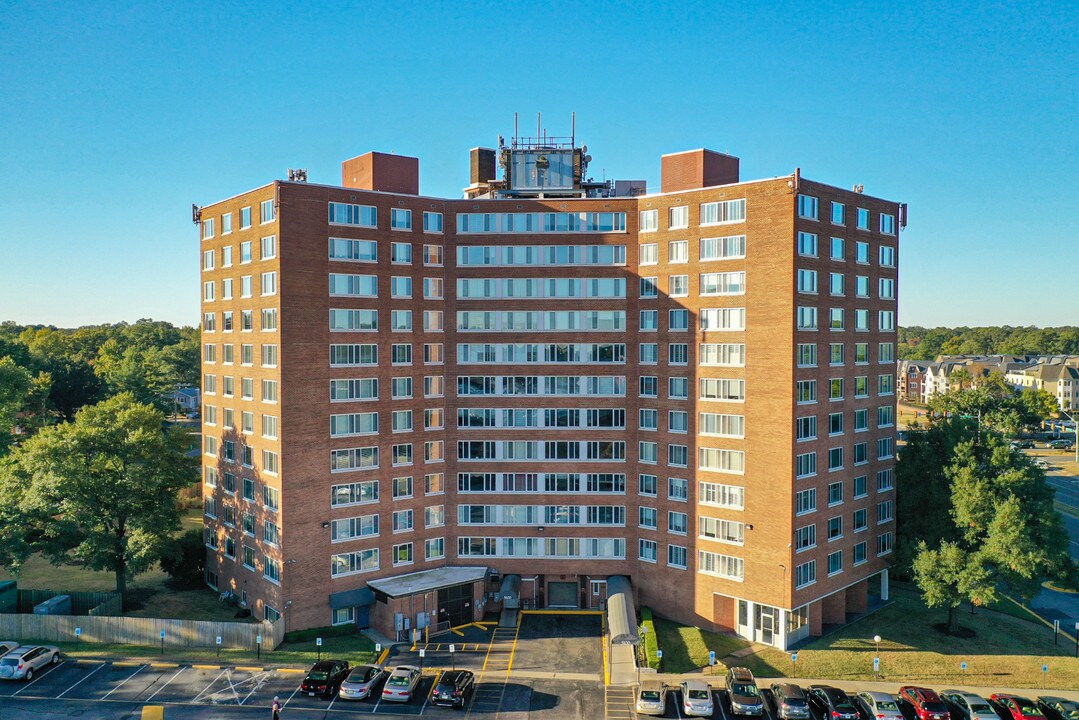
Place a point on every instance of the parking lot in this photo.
(549, 666)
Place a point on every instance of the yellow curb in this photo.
(245, 668)
(294, 671)
(164, 665)
(126, 664)
(382, 658)
(561, 612)
(207, 667)
(153, 712)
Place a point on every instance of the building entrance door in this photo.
(455, 605)
(766, 624)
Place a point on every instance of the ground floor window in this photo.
(343, 616)
(272, 615)
(211, 579)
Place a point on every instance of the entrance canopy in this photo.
(427, 580)
(352, 598)
(621, 615)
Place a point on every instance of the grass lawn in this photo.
(1006, 651)
(147, 596)
(354, 648)
(685, 648)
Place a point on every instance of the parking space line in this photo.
(65, 692)
(255, 686)
(110, 692)
(27, 685)
(208, 686)
(165, 685)
(291, 696)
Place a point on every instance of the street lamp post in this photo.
(1075, 426)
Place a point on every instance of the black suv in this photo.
(324, 678)
(833, 702)
(790, 702)
(453, 688)
(742, 688)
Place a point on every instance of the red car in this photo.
(926, 703)
(1020, 708)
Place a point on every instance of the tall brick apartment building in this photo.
(414, 402)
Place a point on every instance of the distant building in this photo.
(556, 378)
(187, 399)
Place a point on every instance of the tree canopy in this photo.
(994, 402)
(71, 368)
(919, 343)
(975, 517)
(101, 488)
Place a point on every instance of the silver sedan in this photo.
(361, 682)
(879, 705)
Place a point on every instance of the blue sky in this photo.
(116, 117)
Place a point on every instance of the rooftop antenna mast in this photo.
(573, 129)
(539, 130)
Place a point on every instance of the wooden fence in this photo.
(141, 631)
(82, 603)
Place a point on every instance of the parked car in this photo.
(324, 678)
(361, 682)
(1018, 707)
(22, 662)
(1056, 708)
(879, 705)
(453, 688)
(7, 646)
(791, 703)
(926, 703)
(833, 702)
(401, 684)
(652, 698)
(1061, 444)
(965, 705)
(1041, 463)
(742, 689)
(696, 699)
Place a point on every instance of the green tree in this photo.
(1001, 532)
(101, 489)
(949, 575)
(184, 559)
(22, 400)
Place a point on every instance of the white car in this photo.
(401, 684)
(696, 699)
(880, 705)
(22, 662)
(7, 646)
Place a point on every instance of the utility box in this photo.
(59, 605)
(9, 597)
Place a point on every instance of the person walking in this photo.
(276, 708)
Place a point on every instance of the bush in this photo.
(300, 636)
(184, 560)
(651, 640)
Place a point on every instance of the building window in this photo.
(835, 459)
(678, 252)
(647, 485)
(837, 213)
(805, 538)
(676, 556)
(400, 219)
(647, 550)
(805, 501)
(649, 254)
(678, 285)
(835, 528)
(807, 318)
(649, 221)
(863, 219)
(806, 465)
(679, 320)
(807, 244)
(679, 217)
(647, 518)
(807, 207)
(835, 562)
(677, 489)
(806, 428)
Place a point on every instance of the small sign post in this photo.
(1056, 631)
(876, 666)
(219, 646)
(378, 649)
(794, 662)
(258, 646)
(318, 644)
(78, 632)
(162, 642)
(423, 652)
(1045, 672)
(963, 666)
(453, 649)
(711, 657)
